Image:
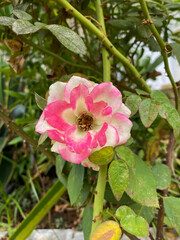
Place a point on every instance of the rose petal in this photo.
(55, 135)
(74, 82)
(101, 112)
(77, 140)
(99, 136)
(59, 115)
(80, 100)
(108, 93)
(72, 156)
(56, 92)
(123, 126)
(124, 110)
(89, 164)
(42, 126)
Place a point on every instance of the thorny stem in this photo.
(9, 122)
(136, 77)
(99, 197)
(101, 182)
(162, 46)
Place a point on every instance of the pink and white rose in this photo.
(82, 117)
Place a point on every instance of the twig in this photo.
(9, 123)
(162, 45)
(170, 147)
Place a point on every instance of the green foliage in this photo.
(162, 175)
(118, 177)
(87, 221)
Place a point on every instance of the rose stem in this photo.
(101, 182)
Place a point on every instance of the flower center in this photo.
(85, 122)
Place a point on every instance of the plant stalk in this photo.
(99, 198)
(162, 46)
(136, 77)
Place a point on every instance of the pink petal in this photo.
(59, 115)
(56, 135)
(42, 126)
(123, 126)
(80, 99)
(72, 156)
(124, 110)
(99, 136)
(74, 82)
(56, 92)
(112, 136)
(101, 112)
(108, 93)
(77, 140)
(89, 164)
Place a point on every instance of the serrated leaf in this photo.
(6, 21)
(21, 14)
(24, 27)
(126, 154)
(42, 138)
(87, 221)
(160, 97)
(141, 92)
(68, 38)
(147, 213)
(118, 174)
(135, 225)
(148, 111)
(40, 101)
(107, 230)
(172, 210)
(176, 50)
(75, 182)
(162, 175)
(124, 211)
(169, 112)
(133, 102)
(103, 156)
(60, 162)
(142, 185)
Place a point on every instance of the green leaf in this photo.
(135, 225)
(38, 212)
(40, 101)
(60, 162)
(15, 141)
(6, 21)
(126, 154)
(75, 182)
(160, 97)
(162, 175)
(169, 112)
(143, 31)
(83, 194)
(68, 38)
(133, 103)
(142, 185)
(172, 210)
(21, 14)
(124, 211)
(107, 230)
(19, 95)
(118, 174)
(24, 27)
(87, 221)
(148, 111)
(176, 50)
(42, 138)
(141, 92)
(103, 156)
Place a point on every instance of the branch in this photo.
(9, 122)
(170, 147)
(162, 46)
(106, 42)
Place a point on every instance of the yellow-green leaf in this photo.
(103, 156)
(107, 230)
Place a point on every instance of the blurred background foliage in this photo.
(31, 63)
